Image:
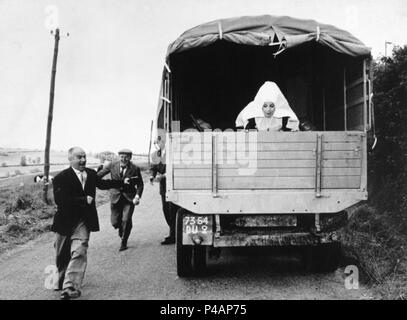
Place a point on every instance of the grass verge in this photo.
(23, 215)
(377, 243)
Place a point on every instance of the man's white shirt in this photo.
(82, 175)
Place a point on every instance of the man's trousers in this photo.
(71, 256)
(121, 216)
(169, 209)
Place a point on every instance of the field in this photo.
(10, 162)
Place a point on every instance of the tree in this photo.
(388, 165)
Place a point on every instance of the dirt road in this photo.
(147, 269)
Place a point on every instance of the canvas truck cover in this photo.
(267, 30)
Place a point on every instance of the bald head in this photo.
(77, 158)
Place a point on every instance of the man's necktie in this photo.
(122, 171)
(82, 180)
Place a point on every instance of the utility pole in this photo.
(49, 122)
(385, 47)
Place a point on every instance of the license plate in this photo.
(280, 220)
(197, 226)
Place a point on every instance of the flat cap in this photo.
(125, 151)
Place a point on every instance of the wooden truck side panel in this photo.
(242, 172)
(285, 161)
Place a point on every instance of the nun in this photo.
(269, 111)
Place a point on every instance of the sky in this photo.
(109, 67)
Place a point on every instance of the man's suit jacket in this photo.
(129, 192)
(160, 168)
(71, 200)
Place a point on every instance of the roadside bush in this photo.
(388, 165)
(26, 198)
(20, 202)
(3, 219)
(23, 161)
(4, 164)
(23, 215)
(15, 229)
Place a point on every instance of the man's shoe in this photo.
(123, 246)
(58, 288)
(70, 293)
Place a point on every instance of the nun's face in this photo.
(268, 109)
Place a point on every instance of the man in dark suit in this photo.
(76, 216)
(122, 202)
(167, 207)
(157, 172)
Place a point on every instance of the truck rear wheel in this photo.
(191, 259)
(322, 258)
(199, 259)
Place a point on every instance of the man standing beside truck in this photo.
(157, 171)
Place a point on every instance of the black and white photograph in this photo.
(203, 154)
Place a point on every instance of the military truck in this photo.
(238, 188)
